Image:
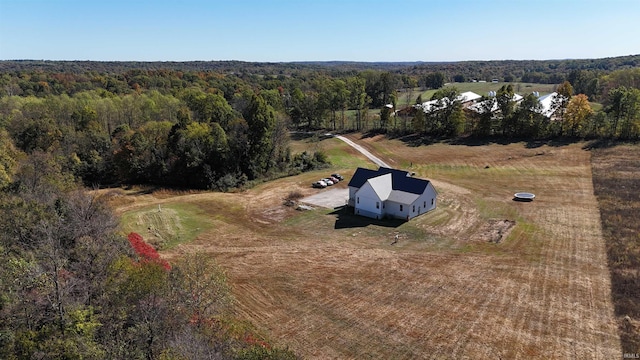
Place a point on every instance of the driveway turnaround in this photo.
(328, 198)
(333, 198)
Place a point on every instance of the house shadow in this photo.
(346, 219)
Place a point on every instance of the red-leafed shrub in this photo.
(253, 341)
(145, 251)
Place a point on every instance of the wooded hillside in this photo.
(221, 125)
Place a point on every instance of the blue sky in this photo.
(320, 30)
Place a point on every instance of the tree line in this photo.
(213, 130)
(538, 71)
(195, 140)
(571, 114)
(219, 131)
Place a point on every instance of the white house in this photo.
(390, 193)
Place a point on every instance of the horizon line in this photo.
(317, 61)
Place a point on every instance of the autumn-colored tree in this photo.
(560, 102)
(577, 113)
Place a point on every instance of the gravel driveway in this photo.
(333, 198)
(328, 198)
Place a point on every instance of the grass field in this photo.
(617, 184)
(167, 226)
(330, 285)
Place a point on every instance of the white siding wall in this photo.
(392, 209)
(366, 206)
(366, 200)
(423, 203)
(352, 196)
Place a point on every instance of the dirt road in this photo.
(364, 151)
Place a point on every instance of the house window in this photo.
(425, 204)
(358, 199)
(431, 201)
(414, 208)
(401, 207)
(377, 205)
(383, 205)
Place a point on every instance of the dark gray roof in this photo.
(361, 176)
(400, 179)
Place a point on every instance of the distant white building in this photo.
(466, 98)
(390, 193)
(547, 104)
(481, 107)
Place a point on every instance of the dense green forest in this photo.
(542, 71)
(72, 287)
(223, 125)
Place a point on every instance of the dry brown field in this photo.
(616, 181)
(459, 283)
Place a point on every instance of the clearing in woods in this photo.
(481, 276)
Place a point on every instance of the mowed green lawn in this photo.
(166, 225)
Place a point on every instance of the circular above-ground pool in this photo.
(524, 196)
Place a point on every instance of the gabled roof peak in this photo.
(400, 179)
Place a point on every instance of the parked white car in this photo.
(319, 184)
(327, 181)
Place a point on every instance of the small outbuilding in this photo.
(390, 193)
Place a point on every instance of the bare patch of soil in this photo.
(494, 231)
(274, 214)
